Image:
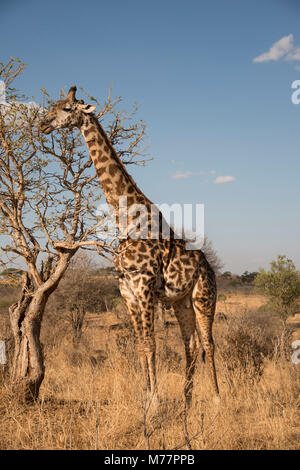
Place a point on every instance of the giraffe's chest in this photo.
(136, 256)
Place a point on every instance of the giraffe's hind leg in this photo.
(186, 318)
(204, 304)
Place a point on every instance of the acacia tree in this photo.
(48, 199)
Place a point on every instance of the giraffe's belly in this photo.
(170, 291)
(170, 296)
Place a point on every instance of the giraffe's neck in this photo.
(113, 176)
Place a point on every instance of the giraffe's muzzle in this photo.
(46, 127)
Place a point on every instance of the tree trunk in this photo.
(28, 365)
(26, 317)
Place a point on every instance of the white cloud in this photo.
(224, 179)
(277, 50)
(294, 54)
(178, 175)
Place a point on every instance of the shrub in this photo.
(281, 284)
(244, 349)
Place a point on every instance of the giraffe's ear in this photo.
(86, 108)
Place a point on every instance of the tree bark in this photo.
(26, 318)
(28, 365)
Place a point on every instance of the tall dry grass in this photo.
(92, 396)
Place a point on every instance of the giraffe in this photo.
(152, 268)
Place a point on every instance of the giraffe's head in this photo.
(66, 113)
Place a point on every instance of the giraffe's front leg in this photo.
(138, 294)
(147, 308)
(133, 309)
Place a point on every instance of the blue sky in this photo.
(212, 110)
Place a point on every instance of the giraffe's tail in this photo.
(200, 343)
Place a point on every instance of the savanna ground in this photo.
(92, 394)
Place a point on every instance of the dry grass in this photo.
(235, 303)
(92, 397)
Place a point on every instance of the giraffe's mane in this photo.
(122, 166)
(116, 156)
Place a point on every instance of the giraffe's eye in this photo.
(67, 109)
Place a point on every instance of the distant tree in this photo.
(212, 255)
(281, 284)
(226, 275)
(75, 297)
(248, 278)
(81, 292)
